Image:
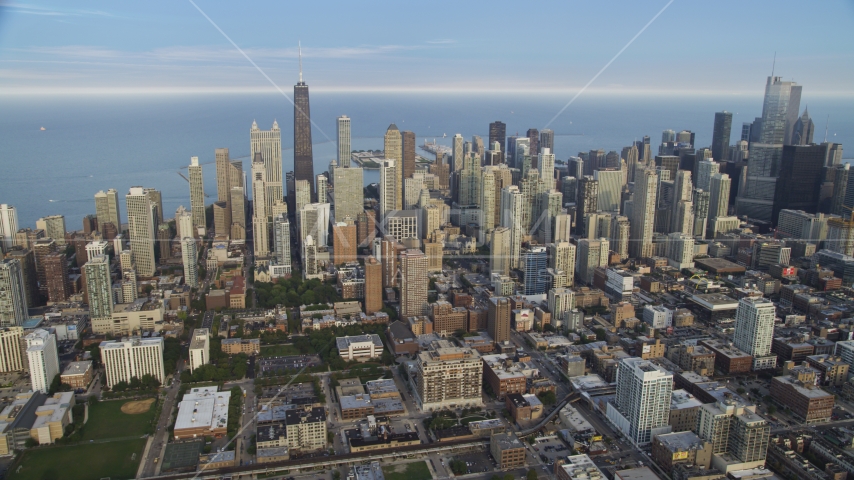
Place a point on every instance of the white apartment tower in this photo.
(8, 226)
(512, 207)
(348, 196)
(389, 177)
(448, 376)
(107, 209)
(54, 227)
(132, 357)
(282, 240)
(754, 330)
(141, 229)
(189, 256)
(10, 350)
(546, 166)
(269, 144)
(343, 143)
(42, 358)
(200, 348)
(13, 295)
(562, 258)
(197, 193)
(184, 223)
(641, 408)
(96, 273)
(643, 214)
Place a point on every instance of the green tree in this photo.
(532, 474)
(548, 397)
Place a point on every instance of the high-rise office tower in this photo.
(497, 133)
(407, 142)
(519, 154)
(610, 185)
(189, 256)
(705, 170)
(107, 209)
(223, 168)
(343, 142)
(534, 140)
(643, 214)
(799, 182)
(641, 408)
(41, 249)
(27, 259)
(682, 206)
(141, 212)
(10, 350)
(222, 218)
(457, 153)
(238, 213)
(534, 261)
(164, 242)
(620, 236)
(303, 157)
(184, 223)
(719, 185)
(587, 202)
(477, 146)
(591, 254)
(282, 240)
(549, 207)
(413, 278)
(261, 241)
(754, 330)
(197, 193)
(499, 251)
(314, 220)
(393, 144)
(833, 153)
(42, 359)
(302, 194)
(632, 158)
(668, 136)
(56, 276)
(721, 135)
(547, 139)
(13, 294)
(679, 250)
(499, 310)
(562, 258)
(546, 166)
(349, 196)
(321, 182)
(54, 227)
(701, 212)
(268, 143)
(512, 206)
(804, 129)
(469, 181)
(96, 273)
(366, 227)
(389, 177)
(373, 285)
(779, 113)
(840, 235)
(156, 198)
(843, 191)
(8, 226)
(344, 243)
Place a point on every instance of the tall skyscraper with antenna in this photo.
(303, 157)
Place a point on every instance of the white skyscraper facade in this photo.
(197, 193)
(13, 296)
(269, 144)
(96, 273)
(349, 194)
(261, 240)
(754, 330)
(132, 357)
(189, 256)
(641, 408)
(141, 229)
(8, 226)
(388, 188)
(42, 358)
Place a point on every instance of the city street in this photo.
(158, 445)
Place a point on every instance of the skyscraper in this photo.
(641, 408)
(268, 143)
(799, 182)
(498, 318)
(588, 201)
(591, 254)
(8, 226)
(349, 196)
(499, 249)
(754, 330)
(682, 206)
(343, 141)
(407, 141)
(141, 230)
(389, 191)
(56, 276)
(534, 140)
(96, 273)
(13, 295)
(54, 227)
(42, 359)
(547, 139)
(321, 182)
(562, 258)
(303, 157)
(643, 214)
(534, 261)
(282, 241)
(546, 166)
(719, 185)
(705, 170)
(610, 185)
(497, 133)
(223, 167)
(373, 285)
(184, 223)
(779, 113)
(238, 213)
(107, 209)
(261, 241)
(512, 206)
(344, 243)
(413, 278)
(197, 193)
(721, 135)
(457, 153)
(803, 130)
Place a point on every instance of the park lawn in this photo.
(409, 471)
(279, 350)
(116, 460)
(106, 420)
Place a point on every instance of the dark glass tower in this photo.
(534, 138)
(799, 183)
(408, 142)
(497, 133)
(303, 158)
(721, 135)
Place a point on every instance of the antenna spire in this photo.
(773, 65)
(299, 45)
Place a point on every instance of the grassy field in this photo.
(117, 460)
(279, 350)
(409, 471)
(106, 420)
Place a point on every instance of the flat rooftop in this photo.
(681, 441)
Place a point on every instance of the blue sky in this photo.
(709, 47)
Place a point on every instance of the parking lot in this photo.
(274, 365)
(476, 462)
